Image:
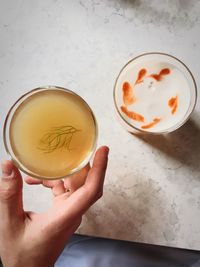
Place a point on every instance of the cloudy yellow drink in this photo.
(52, 133)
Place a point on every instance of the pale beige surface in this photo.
(153, 183)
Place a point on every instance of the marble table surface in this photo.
(152, 188)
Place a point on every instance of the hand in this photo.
(30, 239)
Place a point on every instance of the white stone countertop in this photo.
(152, 189)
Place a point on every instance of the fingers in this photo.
(73, 182)
(93, 187)
(57, 186)
(10, 191)
(68, 209)
(31, 180)
(95, 179)
(47, 183)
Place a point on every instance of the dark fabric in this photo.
(84, 251)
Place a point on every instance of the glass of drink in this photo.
(50, 133)
(154, 93)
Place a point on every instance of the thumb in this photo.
(10, 190)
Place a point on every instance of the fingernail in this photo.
(107, 149)
(6, 170)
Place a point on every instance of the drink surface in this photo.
(52, 132)
(152, 95)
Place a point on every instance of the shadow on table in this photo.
(182, 145)
(178, 15)
(132, 212)
(134, 207)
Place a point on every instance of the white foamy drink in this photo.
(153, 93)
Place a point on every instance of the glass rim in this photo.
(17, 162)
(177, 126)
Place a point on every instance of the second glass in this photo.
(154, 93)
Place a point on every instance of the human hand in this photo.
(30, 239)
